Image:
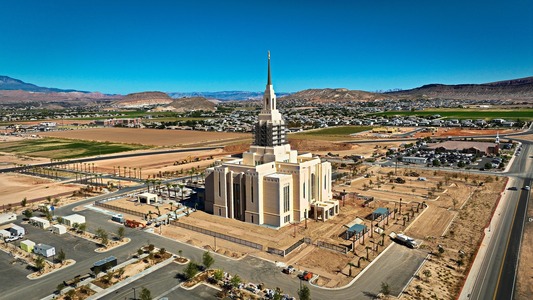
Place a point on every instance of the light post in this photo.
(134, 295)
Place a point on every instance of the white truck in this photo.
(403, 239)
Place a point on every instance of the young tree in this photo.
(120, 232)
(140, 251)
(304, 293)
(28, 213)
(82, 227)
(235, 281)
(24, 202)
(102, 235)
(385, 289)
(145, 294)
(218, 274)
(61, 256)
(190, 270)
(180, 252)
(39, 263)
(207, 260)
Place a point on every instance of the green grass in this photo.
(65, 149)
(339, 130)
(512, 115)
(330, 134)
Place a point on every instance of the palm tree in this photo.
(181, 190)
(140, 174)
(367, 248)
(174, 188)
(168, 189)
(351, 265)
(147, 182)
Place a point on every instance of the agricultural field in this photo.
(522, 114)
(152, 137)
(65, 149)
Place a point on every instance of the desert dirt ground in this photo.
(154, 137)
(333, 266)
(9, 160)
(446, 131)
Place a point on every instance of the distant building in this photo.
(271, 184)
(126, 122)
(414, 160)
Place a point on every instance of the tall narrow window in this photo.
(252, 194)
(313, 186)
(286, 199)
(304, 190)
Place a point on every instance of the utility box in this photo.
(27, 246)
(44, 250)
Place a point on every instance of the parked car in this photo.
(306, 276)
(288, 270)
(527, 188)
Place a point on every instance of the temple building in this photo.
(271, 184)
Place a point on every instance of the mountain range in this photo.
(18, 92)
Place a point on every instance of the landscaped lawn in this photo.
(65, 149)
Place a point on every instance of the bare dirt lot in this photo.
(153, 137)
(15, 187)
(445, 131)
(448, 193)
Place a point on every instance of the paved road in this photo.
(162, 283)
(496, 276)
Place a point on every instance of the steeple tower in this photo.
(270, 129)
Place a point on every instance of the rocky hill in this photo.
(334, 95)
(516, 89)
(137, 100)
(193, 103)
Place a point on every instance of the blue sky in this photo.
(133, 46)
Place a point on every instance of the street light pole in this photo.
(134, 295)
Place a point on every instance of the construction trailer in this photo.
(17, 230)
(39, 222)
(7, 217)
(72, 219)
(59, 229)
(104, 264)
(44, 250)
(27, 246)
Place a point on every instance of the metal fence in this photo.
(276, 251)
(290, 249)
(119, 209)
(219, 235)
(294, 246)
(333, 247)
